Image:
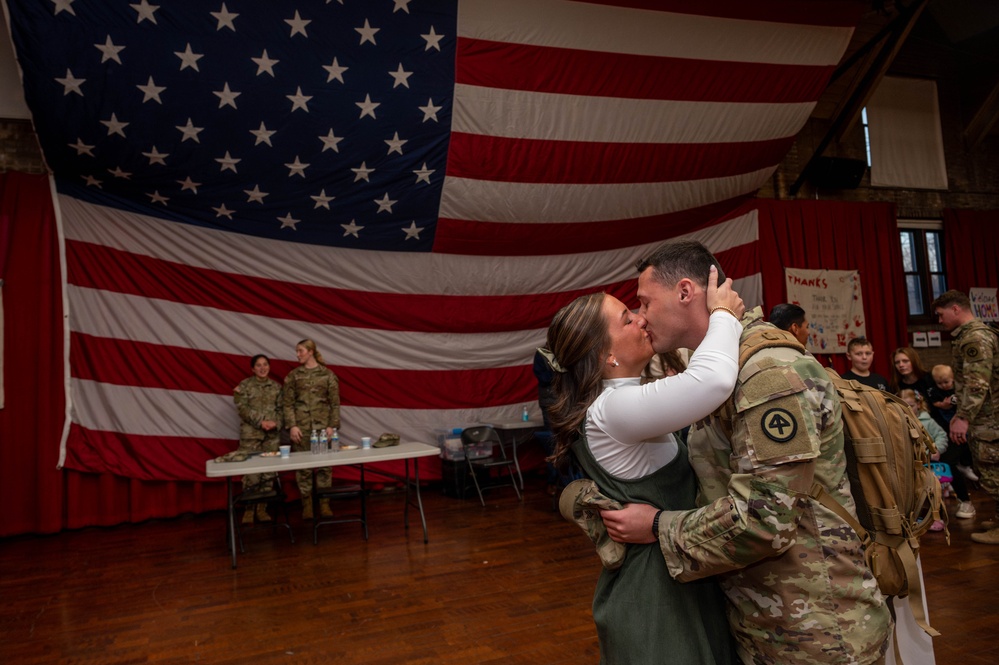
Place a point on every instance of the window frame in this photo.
(919, 231)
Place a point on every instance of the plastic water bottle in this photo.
(314, 440)
(525, 416)
(323, 442)
(335, 441)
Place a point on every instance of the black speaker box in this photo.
(836, 172)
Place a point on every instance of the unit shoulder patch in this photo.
(779, 425)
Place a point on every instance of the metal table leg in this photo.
(232, 519)
(419, 500)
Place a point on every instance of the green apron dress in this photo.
(642, 614)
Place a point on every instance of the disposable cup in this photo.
(285, 451)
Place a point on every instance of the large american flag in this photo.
(417, 185)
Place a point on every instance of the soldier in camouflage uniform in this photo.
(975, 347)
(258, 401)
(799, 590)
(311, 402)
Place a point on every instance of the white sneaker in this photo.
(965, 510)
(968, 473)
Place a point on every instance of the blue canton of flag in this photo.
(310, 122)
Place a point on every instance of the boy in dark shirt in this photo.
(860, 353)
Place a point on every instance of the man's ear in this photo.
(685, 290)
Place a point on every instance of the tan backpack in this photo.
(888, 454)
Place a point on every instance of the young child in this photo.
(860, 353)
(939, 436)
(945, 453)
(943, 405)
(941, 395)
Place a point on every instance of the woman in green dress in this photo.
(618, 431)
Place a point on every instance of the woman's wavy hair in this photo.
(311, 346)
(577, 337)
(895, 382)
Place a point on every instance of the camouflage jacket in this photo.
(798, 587)
(976, 376)
(257, 401)
(311, 398)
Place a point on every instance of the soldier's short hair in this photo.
(678, 259)
(952, 297)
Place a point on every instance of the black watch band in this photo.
(655, 524)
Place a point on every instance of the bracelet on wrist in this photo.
(655, 524)
(721, 308)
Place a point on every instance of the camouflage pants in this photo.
(303, 477)
(986, 456)
(266, 445)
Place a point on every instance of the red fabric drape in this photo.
(31, 489)
(35, 496)
(837, 235)
(971, 245)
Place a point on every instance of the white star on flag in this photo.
(228, 162)
(265, 64)
(367, 107)
(225, 18)
(189, 58)
(115, 126)
(255, 195)
(298, 25)
(71, 84)
(151, 91)
(430, 111)
(109, 51)
(145, 11)
(190, 131)
(385, 203)
(367, 32)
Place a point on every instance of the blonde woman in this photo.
(311, 402)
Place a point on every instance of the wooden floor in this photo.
(508, 583)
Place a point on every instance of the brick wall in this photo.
(19, 150)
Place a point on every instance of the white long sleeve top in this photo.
(628, 426)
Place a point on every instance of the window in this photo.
(867, 134)
(923, 264)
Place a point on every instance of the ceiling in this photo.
(952, 40)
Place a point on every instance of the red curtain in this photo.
(971, 245)
(36, 496)
(838, 235)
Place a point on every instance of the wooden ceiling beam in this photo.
(984, 119)
(847, 115)
(907, 21)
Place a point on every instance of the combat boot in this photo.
(306, 507)
(262, 514)
(248, 516)
(581, 502)
(990, 537)
(324, 508)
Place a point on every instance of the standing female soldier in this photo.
(258, 400)
(311, 402)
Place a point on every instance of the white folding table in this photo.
(306, 460)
